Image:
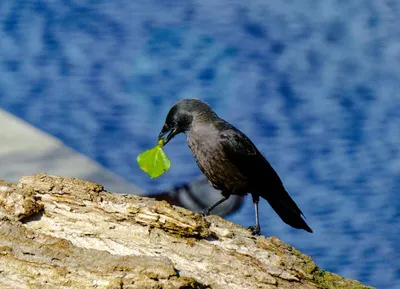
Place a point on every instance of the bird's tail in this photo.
(288, 210)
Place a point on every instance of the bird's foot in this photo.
(204, 213)
(255, 230)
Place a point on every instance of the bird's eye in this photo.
(184, 121)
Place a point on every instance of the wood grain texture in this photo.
(60, 232)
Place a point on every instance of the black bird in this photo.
(230, 161)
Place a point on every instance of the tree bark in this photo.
(60, 232)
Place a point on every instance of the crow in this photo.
(230, 161)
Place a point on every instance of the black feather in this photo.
(231, 162)
(263, 179)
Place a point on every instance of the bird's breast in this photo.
(215, 165)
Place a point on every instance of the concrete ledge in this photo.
(26, 150)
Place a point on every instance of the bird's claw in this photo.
(255, 230)
(204, 213)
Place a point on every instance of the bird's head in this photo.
(181, 116)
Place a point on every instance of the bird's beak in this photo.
(164, 131)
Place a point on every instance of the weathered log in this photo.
(60, 232)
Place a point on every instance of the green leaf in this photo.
(154, 161)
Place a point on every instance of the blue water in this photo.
(315, 84)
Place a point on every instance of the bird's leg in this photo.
(256, 228)
(207, 211)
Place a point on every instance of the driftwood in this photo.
(67, 233)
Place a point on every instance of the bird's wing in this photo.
(263, 179)
(244, 155)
